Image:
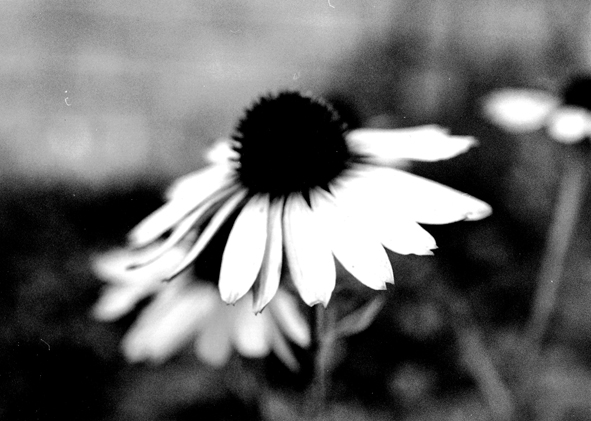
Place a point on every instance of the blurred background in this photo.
(102, 104)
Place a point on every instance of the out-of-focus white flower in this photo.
(293, 183)
(189, 311)
(567, 119)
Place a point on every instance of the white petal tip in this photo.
(258, 307)
(312, 303)
(230, 297)
(479, 213)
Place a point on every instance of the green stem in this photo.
(567, 210)
(323, 342)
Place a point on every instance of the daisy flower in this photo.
(567, 119)
(296, 190)
(188, 311)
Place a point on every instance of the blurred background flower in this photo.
(567, 115)
(189, 310)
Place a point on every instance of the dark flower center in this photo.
(578, 92)
(290, 143)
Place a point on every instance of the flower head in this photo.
(191, 311)
(297, 190)
(567, 118)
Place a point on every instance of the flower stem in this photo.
(323, 342)
(572, 187)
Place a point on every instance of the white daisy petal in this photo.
(422, 200)
(569, 124)
(289, 319)
(222, 152)
(168, 323)
(184, 196)
(268, 281)
(394, 228)
(244, 251)
(213, 345)
(403, 236)
(519, 110)
(359, 253)
(184, 227)
(309, 258)
(251, 331)
(114, 266)
(426, 143)
(209, 231)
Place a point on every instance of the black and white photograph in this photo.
(258, 210)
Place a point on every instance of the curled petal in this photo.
(185, 195)
(210, 230)
(184, 227)
(426, 143)
(114, 266)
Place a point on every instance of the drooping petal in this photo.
(422, 200)
(214, 345)
(244, 251)
(309, 258)
(171, 321)
(425, 143)
(186, 225)
(360, 253)
(289, 319)
(268, 281)
(569, 124)
(114, 266)
(210, 230)
(519, 110)
(184, 195)
(250, 331)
